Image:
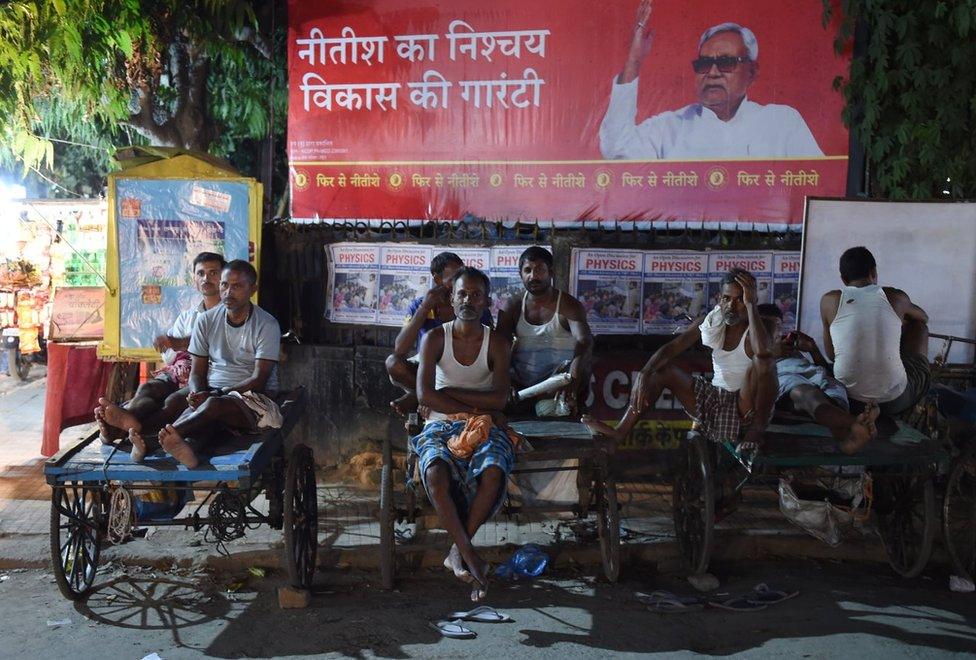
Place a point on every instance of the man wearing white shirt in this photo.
(723, 124)
(162, 398)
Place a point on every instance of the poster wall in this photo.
(512, 110)
(670, 288)
(374, 284)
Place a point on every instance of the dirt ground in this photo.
(842, 610)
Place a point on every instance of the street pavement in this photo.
(844, 610)
(172, 593)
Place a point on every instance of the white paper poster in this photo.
(675, 290)
(404, 277)
(354, 283)
(786, 284)
(608, 284)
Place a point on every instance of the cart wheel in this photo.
(76, 534)
(693, 504)
(907, 520)
(18, 364)
(959, 515)
(387, 523)
(608, 528)
(301, 518)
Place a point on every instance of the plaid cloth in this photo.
(431, 445)
(718, 412)
(179, 371)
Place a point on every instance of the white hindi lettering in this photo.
(509, 43)
(409, 47)
(501, 90)
(422, 95)
(341, 50)
(348, 95)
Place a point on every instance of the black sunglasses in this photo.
(725, 63)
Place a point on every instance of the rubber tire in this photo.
(608, 529)
(695, 470)
(387, 524)
(963, 566)
(300, 527)
(930, 524)
(18, 366)
(71, 588)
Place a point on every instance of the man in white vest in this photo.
(877, 337)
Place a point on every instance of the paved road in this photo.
(842, 611)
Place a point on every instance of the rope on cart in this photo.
(121, 515)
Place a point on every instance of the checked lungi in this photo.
(431, 445)
(717, 414)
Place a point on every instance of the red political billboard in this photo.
(714, 111)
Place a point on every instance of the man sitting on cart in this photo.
(423, 315)
(809, 386)
(743, 388)
(551, 335)
(162, 398)
(464, 453)
(877, 337)
(234, 376)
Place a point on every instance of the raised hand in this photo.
(748, 284)
(640, 44)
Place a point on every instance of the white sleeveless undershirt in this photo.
(866, 334)
(451, 373)
(729, 367)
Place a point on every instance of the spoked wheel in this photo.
(76, 534)
(693, 504)
(301, 518)
(959, 515)
(906, 520)
(387, 520)
(608, 528)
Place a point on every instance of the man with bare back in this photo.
(464, 452)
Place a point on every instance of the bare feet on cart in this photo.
(405, 405)
(106, 433)
(597, 427)
(115, 416)
(177, 447)
(138, 446)
(454, 563)
(862, 431)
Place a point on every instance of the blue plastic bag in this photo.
(529, 561)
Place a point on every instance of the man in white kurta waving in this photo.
(724, 123)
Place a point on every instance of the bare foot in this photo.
(479, 583)
(597, 427)
(405, 405)
(118, 417)
(752, 439)
(177, 447)
(862, 431)
(454, 563)
(138, 446)
(107, 434)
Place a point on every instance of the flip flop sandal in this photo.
(453, 629)
(762, 593)
(483, 614)
(666, 602)
(737, 604)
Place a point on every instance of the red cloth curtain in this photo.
(75, 380)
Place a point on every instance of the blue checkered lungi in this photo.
(497, 451)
